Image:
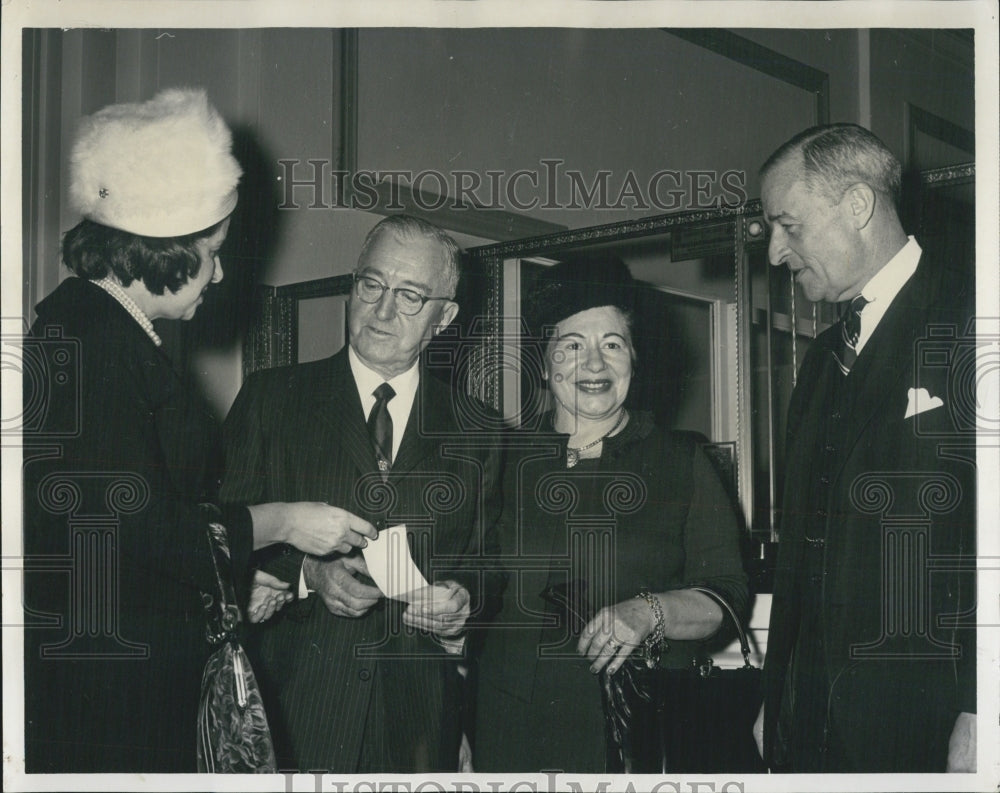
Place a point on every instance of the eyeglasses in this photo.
(407, 302)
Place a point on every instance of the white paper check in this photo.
(391, 566)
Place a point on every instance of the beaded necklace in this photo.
(114, 289)
(573, 453)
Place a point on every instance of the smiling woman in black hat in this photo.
(118, 543)
(618, 514)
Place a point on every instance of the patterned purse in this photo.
(233, 734)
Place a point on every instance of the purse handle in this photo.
(727, 609)
(558, 595)
(222, 614)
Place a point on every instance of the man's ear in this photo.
(448, 314)
(859, 201)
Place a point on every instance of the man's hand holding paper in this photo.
(441, 609)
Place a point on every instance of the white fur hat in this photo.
(161, 168)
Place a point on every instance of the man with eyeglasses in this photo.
(355, 682)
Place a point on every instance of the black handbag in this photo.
(694, 720)
(233, 733)
(702, 717)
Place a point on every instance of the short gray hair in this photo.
(835, 156)
(406, 228)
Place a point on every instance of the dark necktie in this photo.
(850, 331)
(380, 426)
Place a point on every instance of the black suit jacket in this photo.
(897, 513)
(299, 434)
(116, 548)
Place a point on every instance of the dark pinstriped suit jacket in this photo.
(895, 688)
(298, 434)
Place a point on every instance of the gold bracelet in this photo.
(656, 642)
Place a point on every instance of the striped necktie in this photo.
(380, 426)
(850, 332)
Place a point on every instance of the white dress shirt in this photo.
(367, 380)
(883, 287)
(405, 386)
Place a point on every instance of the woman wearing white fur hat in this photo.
(112, 673)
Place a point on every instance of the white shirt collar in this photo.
(405, 386)
(883, 287)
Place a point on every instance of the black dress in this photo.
(650, 514)
(117, 456)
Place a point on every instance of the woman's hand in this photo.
(609, 638)
(267, 595)
(311, 526)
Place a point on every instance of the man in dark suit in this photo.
(355, 682)
(871, 650)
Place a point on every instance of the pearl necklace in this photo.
(114, 289)
(573, 454)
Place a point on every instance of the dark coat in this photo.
(651, 514)
(898, 642)
(298, 433)
(118, 455)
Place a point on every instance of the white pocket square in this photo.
(919, 400)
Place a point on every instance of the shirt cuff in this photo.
(452, 646)
(304, 591)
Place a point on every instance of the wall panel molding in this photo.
(917, 120)
(765, 60)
